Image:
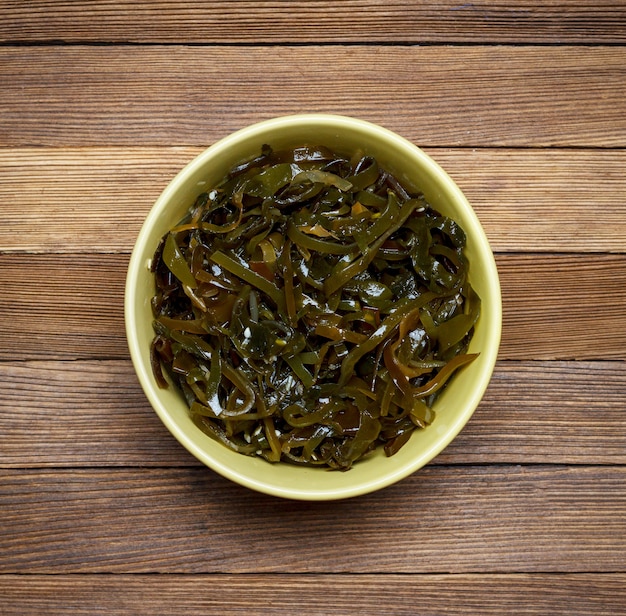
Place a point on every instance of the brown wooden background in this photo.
(102, 102)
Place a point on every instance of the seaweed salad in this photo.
(310, 308)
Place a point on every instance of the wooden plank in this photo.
(93, 413)
(469, 96)
(497, 519)
(95, 199)
(81, 413)
(547, 412)
(81, 199)
(563, 306)
(544, 200)
(69, 306)
(322, 20)
(314, 594)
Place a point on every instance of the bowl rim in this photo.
(433, 169)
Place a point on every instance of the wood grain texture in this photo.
(67, 306)
(59, 414)
(442, 519)
(568, 306)
(471, 96)
(315, 594)
(318, 20)
(547, 412)
(81, 413)
(563, 306)
(95, 199)
(102, 511)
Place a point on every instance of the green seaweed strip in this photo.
(176, 262)
(247, 275)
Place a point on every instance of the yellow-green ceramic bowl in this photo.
(453, 408)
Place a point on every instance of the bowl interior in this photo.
(454, 406)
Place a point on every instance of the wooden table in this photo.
(101, 103)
